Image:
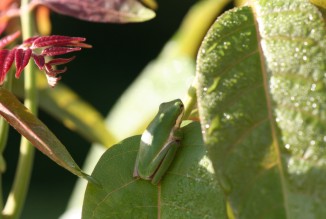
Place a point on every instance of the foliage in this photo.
(253, 85)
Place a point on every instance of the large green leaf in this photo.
(165, 78)
(188, 190)
(262, 103)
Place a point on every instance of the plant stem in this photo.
(197, 22)
(20, 186)
(4, 131)
(191, 99)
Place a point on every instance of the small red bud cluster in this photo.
(39, 48)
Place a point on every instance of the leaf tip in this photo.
(143, 14)
(91, 179)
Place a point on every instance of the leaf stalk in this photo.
(18, 193)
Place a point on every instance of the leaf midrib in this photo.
(269, 104)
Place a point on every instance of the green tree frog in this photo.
(159, 142)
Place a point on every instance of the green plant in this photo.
(253, 132)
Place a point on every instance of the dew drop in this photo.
(207, 164)
(311, 17)
(287, 146)
(313, 87)
(226, 45)
(308, 153)
(324, 138)
(227, 116)
(312, 142)
(304, 58)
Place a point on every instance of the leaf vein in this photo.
(241, 138)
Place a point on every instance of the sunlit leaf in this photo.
(150, 3)
(28, 125)
(321, 3)
(188, 190)
(120, 11)
(167, 77)
(262, 102)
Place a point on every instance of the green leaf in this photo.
(188, 190)
(66, 106)
(262, 104)
(321, 3)
(28, 125)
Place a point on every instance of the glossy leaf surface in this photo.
(188, 190)
(116, 11)
(262, 103)
(28, 125)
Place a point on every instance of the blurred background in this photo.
(99, 75)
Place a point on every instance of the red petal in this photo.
(54, 51)
(21, 60)
(51, 72)
(61, 61)
(56, 40)
(82, 45)
(6, 58)
(28, 42)
(39, 60)
(8, 61)
(8, 39)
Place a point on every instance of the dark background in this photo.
(99, 75)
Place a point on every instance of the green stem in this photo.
(190, 100)
(17, 196)
(4, 131)
(195, 25)
(4, 126)
(190, 36)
